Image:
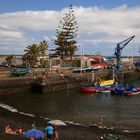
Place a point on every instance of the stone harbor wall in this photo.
(9, 85)
(54, 83)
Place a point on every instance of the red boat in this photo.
(132, 93)
(92, 89)
(128, 94)
(87, 89)
(138, 88)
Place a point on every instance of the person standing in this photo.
(101, 122)
(92, 77)
(49, 132)
(55, 137)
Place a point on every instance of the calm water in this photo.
(77, 107)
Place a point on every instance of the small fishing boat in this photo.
(83, 70)
(99, 89)
(87, 89)
(107, 83)
(130, 91)
(137, 88)
(16, 71)
(116, 91)
(100, 86)
(102, 90)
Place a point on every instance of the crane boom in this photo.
(118, 50)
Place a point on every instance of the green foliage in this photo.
(43, 63)
(66, 34)
(43, 46)
(35, 53)
(32, 52)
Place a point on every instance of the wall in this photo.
(9, 85)
(48, 85)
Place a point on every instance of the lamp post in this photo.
(82, 56)
(133, 54)
(50, 64)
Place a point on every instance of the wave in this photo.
(27, 114)
(9, 108)
(14, 110)
(128, 131)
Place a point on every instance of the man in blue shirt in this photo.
(49, 132)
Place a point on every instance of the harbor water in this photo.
(119, 112)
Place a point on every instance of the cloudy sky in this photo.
(102, 24)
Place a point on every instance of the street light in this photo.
(82, 56)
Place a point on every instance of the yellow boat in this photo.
(107, 82)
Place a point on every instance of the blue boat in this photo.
(16, 71)
(123, 91)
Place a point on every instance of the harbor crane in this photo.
(118, 51)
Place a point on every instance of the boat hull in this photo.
(126, 92)
(102, 89)
(132, 93)
(19, 71)
(87, 89)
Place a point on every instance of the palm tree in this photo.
(26, 59)
(32, 52)
(43, 46)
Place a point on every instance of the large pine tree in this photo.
(66, 34)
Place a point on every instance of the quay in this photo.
(74, 81)
(11, 85)
(54, 82)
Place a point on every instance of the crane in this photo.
(118, 51)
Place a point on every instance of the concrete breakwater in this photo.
(127, 76)
(54, 83)
(10, 85)
(57, 83)
(122, 77)
(48, 85)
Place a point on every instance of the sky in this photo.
(102, 24)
